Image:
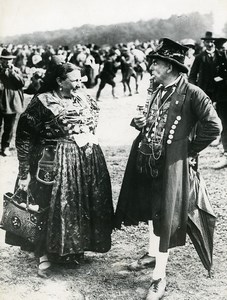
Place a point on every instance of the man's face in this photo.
(209, 44)
(6, 63)
(159, 70)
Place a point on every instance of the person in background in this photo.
(88, 69)
(60, 123)
(205, 67)
(190, 55)
(205, 70)
(126, 65)
(140, 65)
(35, 82)
(221, 104)
(95, 52)
(11, 98)
(155, 187)
(108, 73)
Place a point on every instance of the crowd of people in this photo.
(99, 65)
(90, 58)
(184, 113)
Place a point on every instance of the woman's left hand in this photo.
(23, 183)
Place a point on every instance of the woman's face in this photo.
(72, 82)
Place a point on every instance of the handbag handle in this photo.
(27, 193)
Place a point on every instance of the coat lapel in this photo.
(152, 98)
(175, 110)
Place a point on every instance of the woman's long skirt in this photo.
(80, 202)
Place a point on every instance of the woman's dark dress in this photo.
(80, 199)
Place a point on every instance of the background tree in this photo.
(176, 27)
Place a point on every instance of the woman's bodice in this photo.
(72, 117)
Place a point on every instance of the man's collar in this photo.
(175, 82)
(210, 52)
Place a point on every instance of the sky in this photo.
(26, 16)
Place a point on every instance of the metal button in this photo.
(169, 142)
(178, 118)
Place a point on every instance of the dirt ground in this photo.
(105, 276)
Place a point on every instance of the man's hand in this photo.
(140, 121)
(192, 160)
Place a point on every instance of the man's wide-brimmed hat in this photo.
(208, 36)
(6, 54)
(171, 51)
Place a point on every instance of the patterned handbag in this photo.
(21, 220)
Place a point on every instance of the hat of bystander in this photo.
(208, 36)
(6, 54)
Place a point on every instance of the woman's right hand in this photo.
(23, 183)
(140, 121)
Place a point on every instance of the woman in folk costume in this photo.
(59, 126)
(156, 183)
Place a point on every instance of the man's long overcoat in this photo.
(193, 109)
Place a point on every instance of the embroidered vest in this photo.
(151, 147)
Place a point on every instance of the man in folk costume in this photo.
(156, 183)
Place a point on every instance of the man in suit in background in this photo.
(204, 70)
(221, 100)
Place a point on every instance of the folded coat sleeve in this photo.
(209, 125)
(28, 128)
